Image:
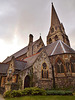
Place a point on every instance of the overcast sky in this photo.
(19, 18)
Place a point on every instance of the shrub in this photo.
(38, 91)
(26, 91)
(16, 93)
(33, 91)
(7, 94)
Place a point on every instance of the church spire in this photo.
(56, 31)
(54, 17)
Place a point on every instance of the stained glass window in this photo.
(44, 70)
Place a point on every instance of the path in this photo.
(1, 97)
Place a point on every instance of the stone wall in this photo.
(65, 82)
(66, 79)
(37, 72)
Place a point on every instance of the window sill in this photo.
(43, 79)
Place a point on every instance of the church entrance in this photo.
(27, 81)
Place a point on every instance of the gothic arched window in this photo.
(59, 66)
(56, 38)
(50, 40)
(44, 70)
(72, 61)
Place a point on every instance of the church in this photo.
(37, 65)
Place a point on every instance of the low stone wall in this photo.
(45, 83)
(65, 82)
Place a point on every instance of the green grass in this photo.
(43, 98)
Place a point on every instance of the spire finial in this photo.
(52, 3)
(40, 34)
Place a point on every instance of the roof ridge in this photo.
(18, 51)
(31, 55)
(55, 47)
(62, 46)
(4, 63)
(21, 60)
(68, 46)
(52, 43)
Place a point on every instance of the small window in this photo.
(52, 30)
(56, 27)
(50, 40)
(56, 38)
(72, 61)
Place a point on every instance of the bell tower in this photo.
(57, 31)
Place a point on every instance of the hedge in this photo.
(58, 92)
(35, 91)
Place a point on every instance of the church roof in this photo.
(20, 52)
(19, 65)
(17, 54)
(58, 47)
(30, 60)
(3, 68)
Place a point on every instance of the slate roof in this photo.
(30, 60)
(20, 52)
(20, 65)
(58, 47)
(17, 54)
(3, 68)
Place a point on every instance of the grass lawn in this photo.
(43, 98)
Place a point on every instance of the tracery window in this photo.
(72, 61)
(44, 70)
(59, 66)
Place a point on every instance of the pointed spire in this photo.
(54, 17)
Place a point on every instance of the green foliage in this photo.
(35, 91)
(26, 91)
(38, 91)
(7, 94)
(16, 93)
(58, 92)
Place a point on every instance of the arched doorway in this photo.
(27, 81)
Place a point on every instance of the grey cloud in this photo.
(33, 16)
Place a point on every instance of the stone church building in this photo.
(37, 65)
